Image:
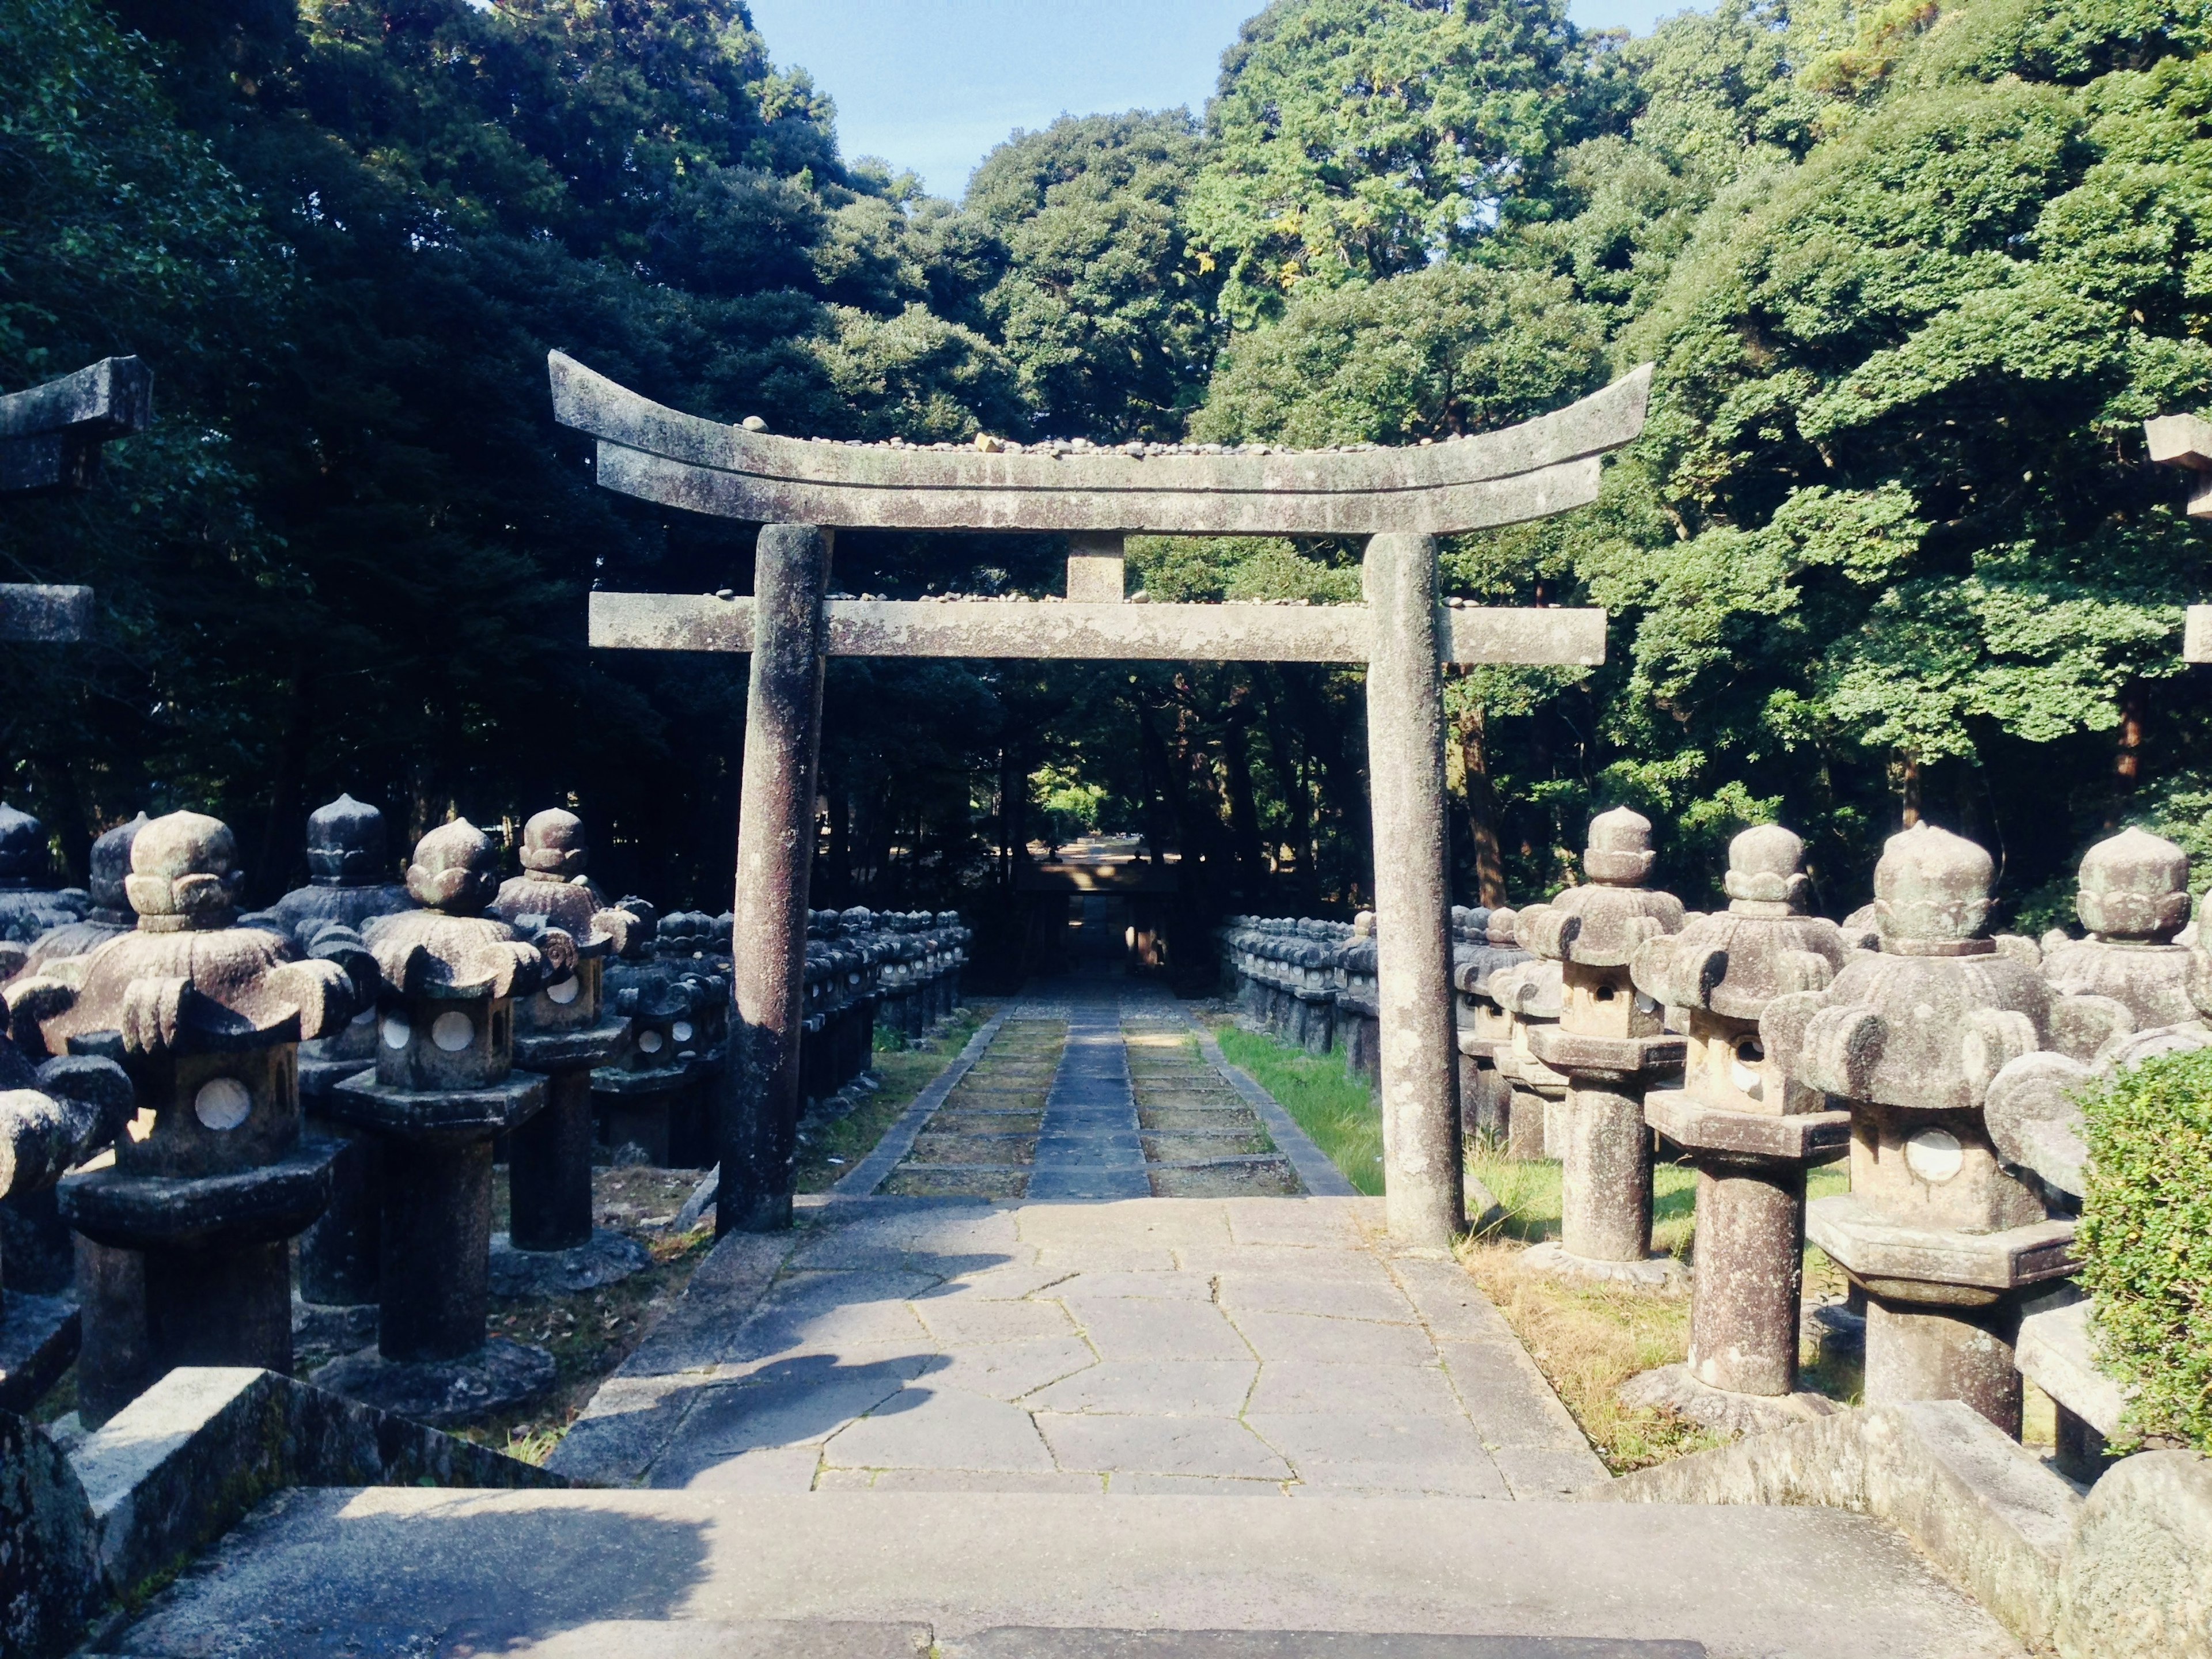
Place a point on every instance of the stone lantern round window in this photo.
(681, 1030)
(1934, 1155)
(397, 1033)
(564, 991)
(648, 1042)
(222, 1103)
(452, 1031)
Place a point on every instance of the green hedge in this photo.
(2146, 1242)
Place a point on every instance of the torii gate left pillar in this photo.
(1397, 499)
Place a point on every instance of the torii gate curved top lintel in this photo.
(1531, 471)
(801, 491)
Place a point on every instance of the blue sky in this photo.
(934, 84)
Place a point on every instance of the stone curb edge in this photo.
(863, 1177)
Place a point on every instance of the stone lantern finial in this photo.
(455, 869)
(22, 848)
(1931, 894)
(346, 844)
(554, 847)
(183, 874)
(1763, 877)
(1619, 852)
(2134, 889)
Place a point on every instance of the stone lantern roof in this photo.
(2133, 897)
(449, 948)
(1928, 1021)
(1602, 925)
(1736, 961)
(348, 880)
(554, 891)
(184, 980)
(111, 912)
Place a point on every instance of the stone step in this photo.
(322, 1573)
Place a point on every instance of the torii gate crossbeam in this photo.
(1399, 500)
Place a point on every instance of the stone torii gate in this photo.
(802, 491)
(50, 440)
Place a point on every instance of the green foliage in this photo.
(1433, 354)
(1358, 139)
(1100, 304)
(1336, 1109)
(2146, 1242)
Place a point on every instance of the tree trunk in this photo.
(1481, 806)
(1297, 806)
(1244, 813)
(1910, 777)
(2135, 711)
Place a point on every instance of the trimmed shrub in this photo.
(2146, 1242)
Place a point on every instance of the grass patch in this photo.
(827, 1149)
(1336, 1110)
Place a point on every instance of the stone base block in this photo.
(498, 1376)
(38, 1340)
(1672, 1388)
(339, 1327)
(604, 1259)
(1657, 1273)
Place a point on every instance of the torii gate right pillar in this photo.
(1423, 1189)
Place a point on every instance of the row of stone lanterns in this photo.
(1943, 1062)
(342, 1064)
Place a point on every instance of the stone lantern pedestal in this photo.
(1610, 1047)
(183, 1256)
(562, 1033)
(1750, 1132)
(1944, 1239)
(443, 1089)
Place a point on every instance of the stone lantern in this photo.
(28, 907)
(348, 867)
(1481, 1029)
(1944, 1239)
(1529, 995)
(443, 1088)
(563, 1032)
(111, 912)
(186, 1262)
(856, 928)
(1609, 1045)
(1751, 1129)
(653, 1093)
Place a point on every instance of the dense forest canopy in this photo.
(1912, 273)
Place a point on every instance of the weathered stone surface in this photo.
(1228, 632)
(1531, 471)
(2058, 1354)
(349, 873)
(495, 1376)
(111, 912)
(1678, 1390)
(186, 1460)
(1987, 1512)
(2136, 1581)
(605, 1258)
(49, 1576)
(51, 434)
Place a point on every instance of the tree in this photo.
(1353, 140)
(1099, 303)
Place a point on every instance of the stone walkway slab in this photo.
(315, 1574)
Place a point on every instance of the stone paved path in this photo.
(1090, 1337)
(954, 1421)
(1087, 1095)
